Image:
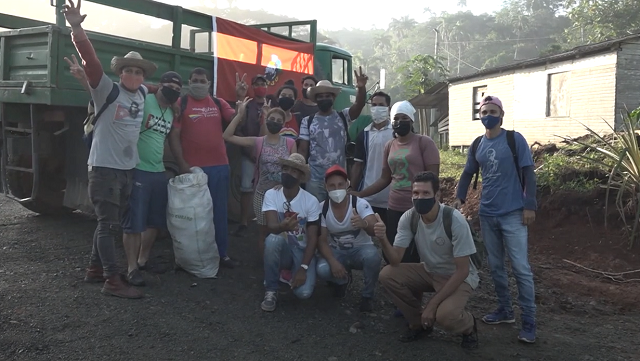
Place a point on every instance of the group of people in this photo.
(317, 221)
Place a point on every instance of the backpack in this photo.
(511, 141)
(184, 100)
(325, 208)
(92, 117)
(447, 219)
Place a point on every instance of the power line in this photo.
(493, 41)
(462, 61)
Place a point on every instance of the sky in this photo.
(352, 14)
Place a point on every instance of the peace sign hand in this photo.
(241, 86)
(72, 13)
(76, 70)
(242, 105)
(266, 107)
(361, 79)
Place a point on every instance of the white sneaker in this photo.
(269, 302)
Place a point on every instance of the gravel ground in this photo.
(48, 313)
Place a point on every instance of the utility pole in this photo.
(435, 52)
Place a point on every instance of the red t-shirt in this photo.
(201, 132)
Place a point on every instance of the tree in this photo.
(420, 73)
(598, 20)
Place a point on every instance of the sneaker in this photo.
(228, 263)
(116, 286)
(340, 291)
(135, 278)
(285, 276)
(94, 275)
(269, 302)
(470, 341)
(528, 331)
(366, 304)
(499, 316)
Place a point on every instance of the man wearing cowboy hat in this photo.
(292, 216)
(114, 153)
(324, 135)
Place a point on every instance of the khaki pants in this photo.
(407, 281)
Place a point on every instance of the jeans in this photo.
(147, 202)
(279, 254)
(365, 258)
(508, 232)
(219, 188)
(109, 191)
(317, 189)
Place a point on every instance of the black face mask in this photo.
(288, 181)
(274, 127)
(170, 95)
(402, 128)
(325, 104)
(424, 205)
(286, 103)
(304, 93)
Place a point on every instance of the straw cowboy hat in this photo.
(133, 59)
(323, 86)
(297, 161)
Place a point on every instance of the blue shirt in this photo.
(501, 189)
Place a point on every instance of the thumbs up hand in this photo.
(356, 220)
(380, 230)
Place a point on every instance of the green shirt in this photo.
(358, 125)
(156, 125)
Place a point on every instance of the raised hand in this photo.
(356, 220)
(361, 79)
(76, 69)
(72, 13)
(266, 107)
(380, 230)
(242, 105)
(241, 86)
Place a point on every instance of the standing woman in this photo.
(268, 149)
(404, 156)
(286, 97)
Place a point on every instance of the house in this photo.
(432, 113)
(552, 95)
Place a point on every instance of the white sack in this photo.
(190, 222)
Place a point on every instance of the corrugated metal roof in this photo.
(578, 51)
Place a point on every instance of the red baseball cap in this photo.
(336, 169)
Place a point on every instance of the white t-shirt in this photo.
(373, 153)
(343, 234)
(434, 247)
(304, 204)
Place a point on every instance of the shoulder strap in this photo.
(290, 143)
(354, 202)
(345, 123)
(325, 209)
(366, 145)
(511, 141)
(144, 93)
(111, 98)
(217, 101)
(447, 221)
(474, 148)
(415, 218)
(184, 100)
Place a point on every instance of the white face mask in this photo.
(379, 114)
(338, 195)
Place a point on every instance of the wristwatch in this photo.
(304, 266)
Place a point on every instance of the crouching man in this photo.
(345, 239)
(292, 216)
(445, 267)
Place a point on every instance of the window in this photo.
(339, 71)
(478, 93)
(558, 94)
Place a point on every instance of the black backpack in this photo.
(447, 219)
(511, 141)
(90, 123)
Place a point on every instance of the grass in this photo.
(452, 163)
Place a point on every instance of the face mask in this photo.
(288, 181)
(274, 127)
(325, 105)
(304, 93)
(131, 81)
(170, 95)
(260, 92)
(199, 91)
(490, 121)
(402, 128)
(379, 114)
(286, 103)
(338, 195)
(424, 205)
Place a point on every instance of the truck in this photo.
(42, 106)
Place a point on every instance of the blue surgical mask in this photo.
(490, 121)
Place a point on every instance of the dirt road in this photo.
(48, 313)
